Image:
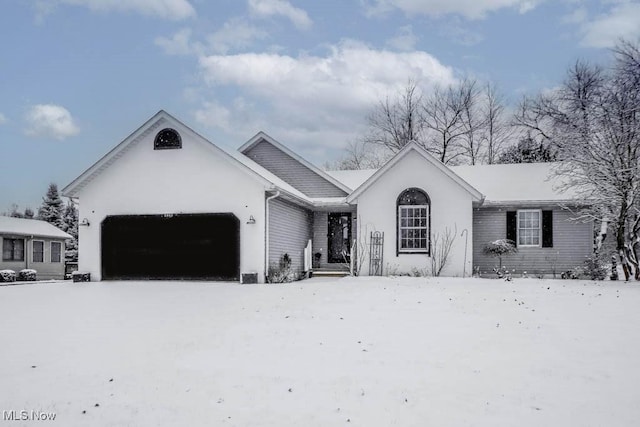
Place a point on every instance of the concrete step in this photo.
(329, 273)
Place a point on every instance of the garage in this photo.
(180, 246)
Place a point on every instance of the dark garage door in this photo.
(197, 246)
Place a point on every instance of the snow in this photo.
(519, 182)
(355, 351)
(499, 183)
(352, 178)
(30, 227)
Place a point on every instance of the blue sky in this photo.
(78, 76)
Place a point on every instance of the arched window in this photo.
(413, 208)
(167, 139)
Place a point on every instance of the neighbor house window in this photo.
(413, 221)
(167, 139)
(529, 227)
(56, 250)
(38, 251)
(13, 249)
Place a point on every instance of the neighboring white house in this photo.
(167, 203)
(32, 244)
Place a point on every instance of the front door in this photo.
(339, 237)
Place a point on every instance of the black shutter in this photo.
(547, 229)
(512, 224)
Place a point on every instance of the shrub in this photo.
(27, 275)
(594, 267)
(499, 248)
(7, 276)
(282, 273)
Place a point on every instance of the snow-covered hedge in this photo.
(7, 276)
(27, 275)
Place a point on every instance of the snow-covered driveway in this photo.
(365, 352)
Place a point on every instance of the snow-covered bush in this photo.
(594, 268)
(27, 275)
(499, 248)
(282, 273)
(7, 276)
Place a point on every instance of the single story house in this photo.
(32, 244)
(167, 203)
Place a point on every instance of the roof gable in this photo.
(432, 161)
(292, 168)
(160, 120)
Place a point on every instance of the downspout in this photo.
(266, 229)
(27, 251)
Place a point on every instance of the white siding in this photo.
(194, 179)
(451, 208)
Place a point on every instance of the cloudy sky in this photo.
(78, 76)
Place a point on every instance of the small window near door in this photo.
(38, 251)
(12, 249)
(56, 252)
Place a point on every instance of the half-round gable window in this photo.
(167, 139)
(413, 221)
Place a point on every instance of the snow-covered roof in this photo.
(352, 178)
(517, 183)
(500, 184)
(30, 227)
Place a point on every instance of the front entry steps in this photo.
(337, 271)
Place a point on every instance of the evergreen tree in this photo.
(528, 151)
(28, 213)
(70, 225)
(52, 207)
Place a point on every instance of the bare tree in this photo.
(460, 123)
(444, 117)
(397, 121)
(361, 155)
(593, 120)
(441, 248)
(497, 130)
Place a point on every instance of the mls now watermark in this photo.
(24, 415)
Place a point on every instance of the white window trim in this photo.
(51, 253)
(539, 245)
(33, 251)
(399, 232)
(25, 250)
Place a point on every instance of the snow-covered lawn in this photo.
(353, 352)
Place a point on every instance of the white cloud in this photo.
(470, 9)
(404, 40)
(235, 33)
(311, 100)
(267, 8)
(621, 21)
(167, 9)
(50, 121)
(178, 44)
(3, 119)
(460, 32)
